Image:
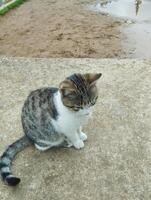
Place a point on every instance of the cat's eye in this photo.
(76, 109)
(71, 96)
(70, 106)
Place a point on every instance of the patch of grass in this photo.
(10, 5)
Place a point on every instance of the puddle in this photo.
(137, 15)
(139, 10)
(138, 40)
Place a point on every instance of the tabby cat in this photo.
(54, 117)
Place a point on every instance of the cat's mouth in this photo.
(86, 113)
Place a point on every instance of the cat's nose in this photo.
(88, 110)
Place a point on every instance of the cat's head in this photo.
(79, 91)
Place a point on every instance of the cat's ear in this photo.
(92, 78)
(66, 88)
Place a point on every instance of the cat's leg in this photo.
(75, 140)
(44, 145)
(82, 135)
(67, 143)
(42, 148)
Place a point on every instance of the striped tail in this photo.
(7, 157)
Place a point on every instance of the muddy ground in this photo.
(59, 28)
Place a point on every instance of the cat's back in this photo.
(39, 101)
(42, 94)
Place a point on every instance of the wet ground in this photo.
(137, 27)
(138, 40)
(82, 28)
(139, 10)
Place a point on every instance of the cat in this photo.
(53, 117)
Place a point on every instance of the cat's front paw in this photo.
(66, 143)
(83, 136)
(78, 144)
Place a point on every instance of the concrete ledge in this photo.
(115, 163)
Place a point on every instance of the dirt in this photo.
(59, 28)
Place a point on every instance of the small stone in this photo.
(129, 21)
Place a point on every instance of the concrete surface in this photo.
(116, 161)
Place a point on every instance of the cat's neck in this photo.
(59, 104)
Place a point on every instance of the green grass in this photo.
(10, 6)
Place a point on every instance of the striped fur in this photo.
(53, 117)
(7, 157)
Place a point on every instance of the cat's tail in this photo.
(7, 157)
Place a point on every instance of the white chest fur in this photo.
(69, 121)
